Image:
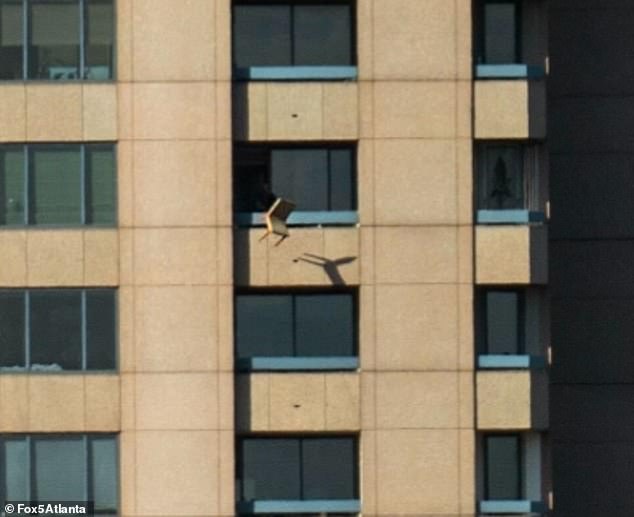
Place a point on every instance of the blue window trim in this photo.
(509, 217)
(510, 71)
(292, 506)
(296, 73)
(519, 506)
(297, 363)
(510, 362)
(330, 218)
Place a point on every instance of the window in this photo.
(316, 179)
(298, 469)
(56, 39)
(500, 32)
(508, 187)
(502, 321)
(42, 467)
(296, 325)
(503, 473)
(57, 184)
(57, 329)
(301, 33)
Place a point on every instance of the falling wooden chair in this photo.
(276, 217)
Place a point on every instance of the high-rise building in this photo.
(171, 344)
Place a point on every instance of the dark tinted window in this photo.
(501, 182)
(65, 184)
(314, 178)
(53, 330)
(293, 34)
(503, 325)
(303, 325)
(99, 39)
(501, 32)
(297, 468)
(11, 39)
(503, 467)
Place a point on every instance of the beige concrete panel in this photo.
(464, 161)
(414, 39)
(224, 183)
(415, 181)
(366, 109)
(125, 183)
(101, 256)
(176, 401)
(126, 311)
(249, 108)
(13, 113)
(250, 256)
(417, 472)
(365, 38)
(467, 468)
(414, 400)
(14, 403)
(464, 39)
(173, 183)
(416, 254)
(342, 247)
(295, 111)
(367, 252)
(56, 403)
(126, 256)
(125, 115)
(299, 260)
(100, 112)
(416, 327)
(341, 111)
(173, 40)
(226, 402)
(511, 254)
(510, 109)
(343, 409)
(223, 40)
(464, 109)
(465, 254)
(175, 256)
(224, 245)
(124, 24)
(127, 471)
(503, 399)
(225, 328)
(174, 111)
(55, 257)
(176, 473)
(103, 403)
(53, 112)
(12, 258)
(226, 474)
(223, 110)
(466, 383)
(365, 181)
(128, 399)
(367, 327)
(297, 402)
(176, 329)
(466, 340)
(368, 467)
(368, 400)
(415, 109)
(252, 394)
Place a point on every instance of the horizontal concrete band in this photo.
(510, 362)
(509, 217)
(509, 71)
(295, 73)
(287, 506)
(300, 218)
(519, 506)
(298, 363)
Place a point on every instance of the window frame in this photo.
(29, 439)
(295, 71)
(28, 369)
(27, 172)
(298, 217)
(299, 362)
(83, 38)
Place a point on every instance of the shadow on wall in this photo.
(331, 267)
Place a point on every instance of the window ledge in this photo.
(295, 73)
(331, 218)
(519, 506)
(510, 362)
(509, 217)
(293, 506)
(297, 363)
(510, 71)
